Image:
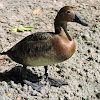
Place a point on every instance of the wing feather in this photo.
(34, 45)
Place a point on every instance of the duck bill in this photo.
(79, 20)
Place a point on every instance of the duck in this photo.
(47, 48)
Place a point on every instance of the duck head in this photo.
(67, 14)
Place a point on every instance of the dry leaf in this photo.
(57, 69)
(97, 21)
(92, 53)
(9, 94)
(97, 8)
(21, 28)
(2, 20)
(14, 18)
(37, 11)
(1, 61)
(19, 98)
(3, 58)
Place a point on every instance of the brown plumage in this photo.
(47, 48)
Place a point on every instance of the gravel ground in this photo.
(81, 71)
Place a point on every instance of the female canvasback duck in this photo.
(47, 48)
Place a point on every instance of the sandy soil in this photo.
(81, 71)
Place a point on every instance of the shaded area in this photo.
(22, 75)
(18, 74)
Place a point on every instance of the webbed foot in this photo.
(52, 81)
(56, 82)
(36, 86)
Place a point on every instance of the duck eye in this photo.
(68, 12)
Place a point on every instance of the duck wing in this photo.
(33, 46)
(38, 36)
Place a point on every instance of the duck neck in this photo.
(58, 29)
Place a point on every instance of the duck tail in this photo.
(3, 53)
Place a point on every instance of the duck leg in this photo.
(24, 74)
(35, 83)
(52, 81)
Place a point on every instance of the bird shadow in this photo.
(17, 75)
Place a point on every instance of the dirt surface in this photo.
(81, 71)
